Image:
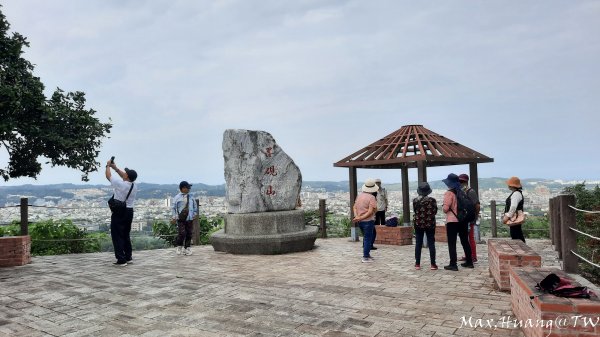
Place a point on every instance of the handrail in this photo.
(586, 234)
(584, 259)
(584, 211)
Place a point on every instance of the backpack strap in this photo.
(131, 188)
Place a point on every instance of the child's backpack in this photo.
(465, 207)
(562, 287)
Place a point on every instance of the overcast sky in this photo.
(518, 81)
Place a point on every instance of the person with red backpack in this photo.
(454, 225)
(472, 194)
(424, 210)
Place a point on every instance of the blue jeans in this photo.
(367, 228)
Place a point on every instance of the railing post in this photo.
(24, 216)
(322, 214)
(557, 227)
(550, 221)
(196, 225)
(494, 218)
(569, 237)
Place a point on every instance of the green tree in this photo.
(59, 129)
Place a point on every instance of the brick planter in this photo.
(400, 236)
(15, 251)
(440, 233)
(567, 316)
(503, 253)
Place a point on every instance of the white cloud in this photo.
(325, 78)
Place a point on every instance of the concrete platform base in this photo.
(265, 233)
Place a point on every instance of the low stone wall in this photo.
(550, 315)
(504, 253)
(400, 236)
(15, 251)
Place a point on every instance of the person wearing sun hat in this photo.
(424, 211)
(453, 226)
(364, 208)
(514, 203)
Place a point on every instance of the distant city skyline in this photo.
(517, 83)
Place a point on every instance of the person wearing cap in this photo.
(453, 226)
(382, 205)
(120, 221)
(472, 194)
(365, 207)
(514, 203)
(183, 210)
(424, 210)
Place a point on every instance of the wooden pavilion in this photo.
(412, 146)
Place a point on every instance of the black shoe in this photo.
(119, 264)
(373, 248)
(451, 267)
(467, 265)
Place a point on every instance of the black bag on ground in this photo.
(118, 205)
(465, 207)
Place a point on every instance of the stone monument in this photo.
(263, 187)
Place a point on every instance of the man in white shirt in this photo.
(121, 218)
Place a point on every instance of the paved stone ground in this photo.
(324, 292)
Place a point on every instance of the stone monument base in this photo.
(265, 233)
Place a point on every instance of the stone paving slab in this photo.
(323, 292)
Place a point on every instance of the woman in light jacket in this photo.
(514, 203)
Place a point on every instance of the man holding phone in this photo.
(121, 219)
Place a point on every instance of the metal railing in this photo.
(563, 225)
(24, 220)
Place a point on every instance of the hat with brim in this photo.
(131, 174)
(452, 181)
(424, 189)
(514, 182)
(463, 177)
(370, 186)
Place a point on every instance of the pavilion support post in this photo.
(405, 195)
(422, 171)
(473, 177)
(353, 194)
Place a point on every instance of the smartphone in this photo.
(112, 159)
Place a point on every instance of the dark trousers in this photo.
(367, 228)
(184, 233)
(419, 233)
(379, 220)
(516, 233)
(120, 230)
(452, 230)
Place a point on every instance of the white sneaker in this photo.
(179, 250)
(187, 251)
(367, 260)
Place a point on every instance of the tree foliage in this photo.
(59, 129)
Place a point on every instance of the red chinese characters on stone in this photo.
(271, 171)
(270, 190)
(269, 152)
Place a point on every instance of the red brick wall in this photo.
(401, 235)
(504, 253)
(15, 251)
(565, 314)
(440, 233)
